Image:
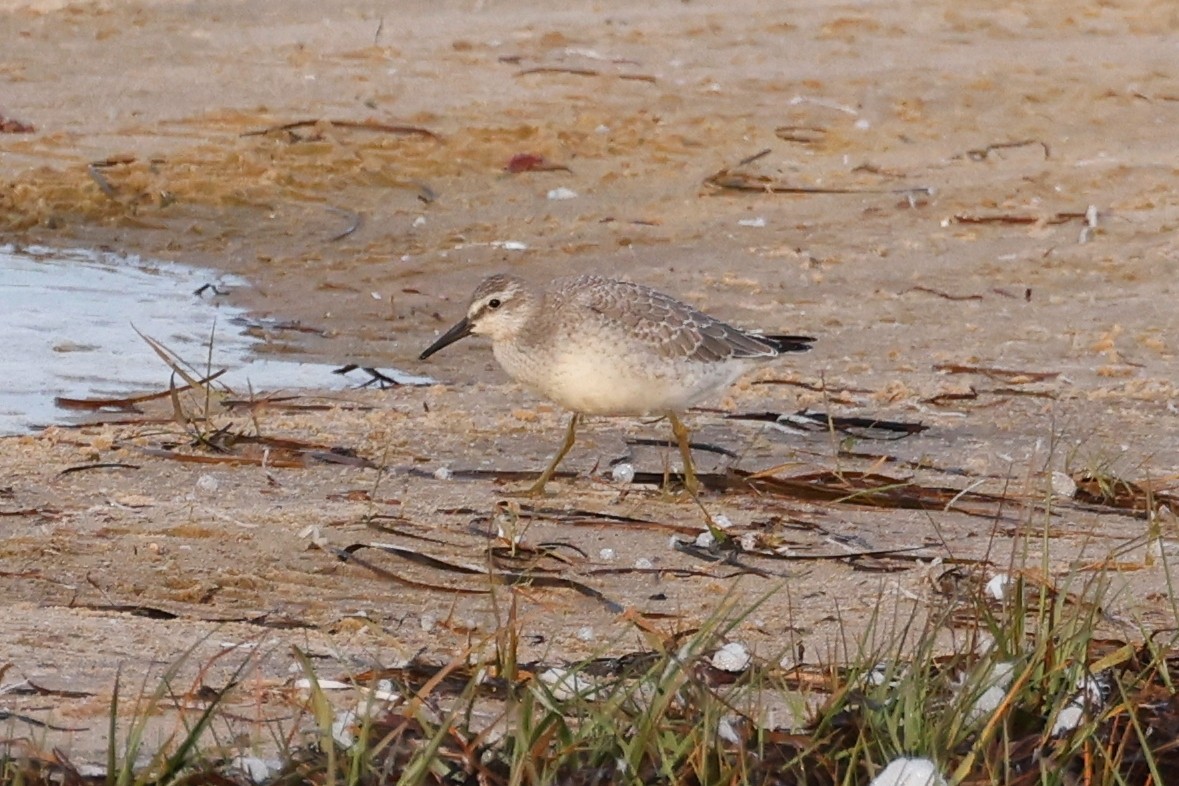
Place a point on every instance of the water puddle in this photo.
(68, 322)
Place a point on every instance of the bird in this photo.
(605, 346)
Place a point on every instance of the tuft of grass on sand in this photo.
(1029, 696)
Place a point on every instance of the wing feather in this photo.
(674, 329)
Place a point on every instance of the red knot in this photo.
(599, 346)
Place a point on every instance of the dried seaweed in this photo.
(134, 609)
(584, 72)
(261, 451)
(1010, 376)
(290, 404)
(975, 394)
(203, 288)
(861, 428)
(162, 614)
(355, 221)
(579, 517)
(531, 162)
(728, 180)
(130, 403)
(44, 512)
(98, 465)
(982, 153)
(103, 184)
(1108, 491)
(868, 489)
(703, 447)
(497, 475)
(1018, 218)
(6, 715)
(489, 577)
(819, 387)
(734, 179)
(947, 398)
(806, 135)
(10, 125)
(357, 125)
(939, 293)
(255, 325)
(376, 376)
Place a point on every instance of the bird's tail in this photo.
(791, 343)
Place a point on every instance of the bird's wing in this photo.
(674, 329)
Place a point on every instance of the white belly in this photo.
(601, 384)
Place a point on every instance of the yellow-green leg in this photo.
(537, 488)
(683, 436)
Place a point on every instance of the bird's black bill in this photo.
(459, 331)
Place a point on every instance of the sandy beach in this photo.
(972, 207)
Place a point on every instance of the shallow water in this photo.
(68, 322)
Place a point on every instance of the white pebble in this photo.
(722, 521)
(642, 563)
(1068, 719)
(311, 532)
(586, 633)
(756, 223)
(998, 586)
(562, 193)
(986, 703)
(94, 771)
(705, 540)
(606, 555)
(208, 484)
(909, 772)
(443, 473)
(623, 473)
(342, 729)
(996, 682)
(1063, 486)
(733, 657)
(386, 691)
(305, 683)
(420, 221)
(514, 538)
(256, 769)
(727, 732)
(564, 684)
(1089, 694)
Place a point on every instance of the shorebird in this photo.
(600, 346)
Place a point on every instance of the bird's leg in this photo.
(537, 488)
(683, 436)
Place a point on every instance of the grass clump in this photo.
(1034, 698)
(1011, 687)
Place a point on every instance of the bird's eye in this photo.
(494, 303)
